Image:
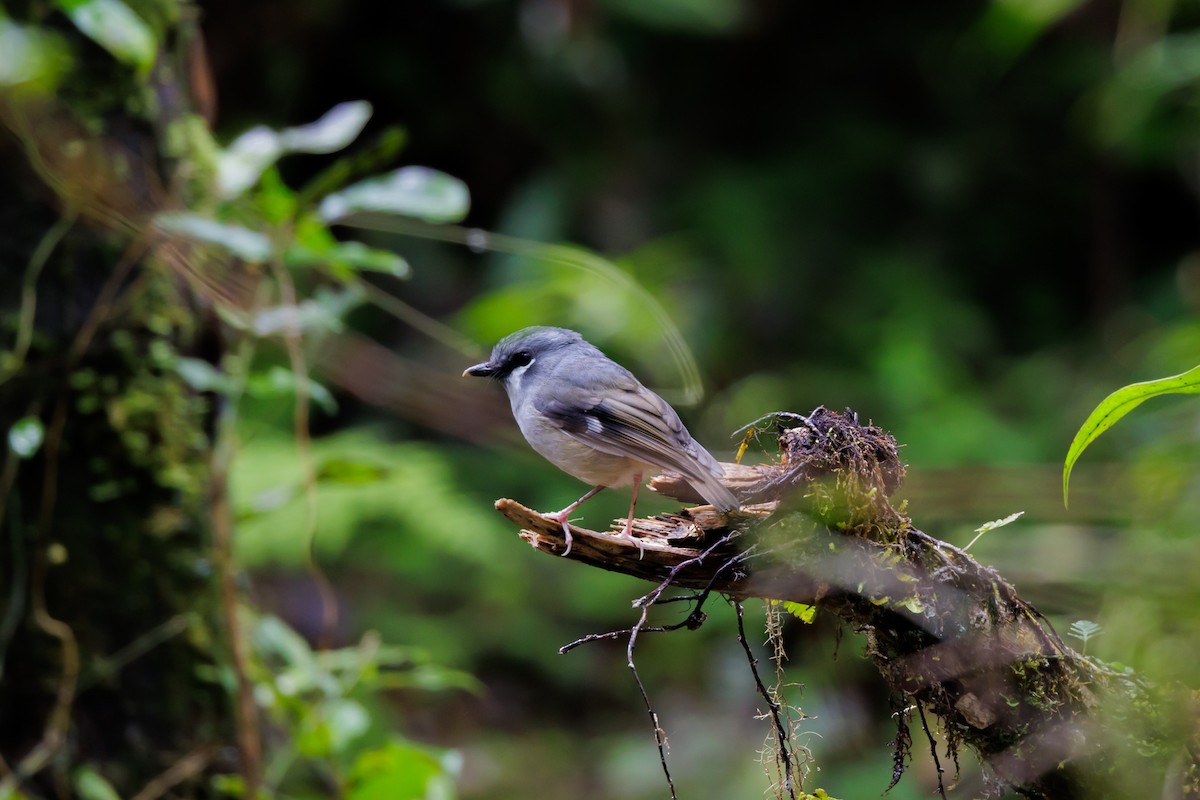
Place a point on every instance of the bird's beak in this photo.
(484, 370)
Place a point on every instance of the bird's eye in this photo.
(521, 359)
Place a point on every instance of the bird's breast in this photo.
(572, 456)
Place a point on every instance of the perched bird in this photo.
(594, 420)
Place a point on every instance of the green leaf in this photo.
(202, 376)
(913, 604)
(396, 771)
(430, 678)
(801, 611)
(338, 127)
(307, 315)
(418, 192)
(242, 242)
(993, 525)
(330, 727)
(25, 436)
(323, 312)
(999, 523)
(115, 27)
(1129, 104)
(279, 381)
(344, 470)
(276, 200)
(819, 794)
(1117, 405)
(273, 637)
(91, 785)
(361, 257)
(346, 721)
(269, 499)
(241, 164)
(32, 56)
(370, 158)
(1009, 27)
(349, 257)
(1084, 629)
(224, 785)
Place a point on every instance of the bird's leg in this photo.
(561, 516)
(627, 534)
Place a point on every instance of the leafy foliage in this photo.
(801, 611)
(987, 527)
(117, 28)
(1112, 408)
(1084, 630)
(320, 700)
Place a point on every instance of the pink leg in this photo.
(628, 532)
(561, 516)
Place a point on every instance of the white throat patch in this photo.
(514, 377)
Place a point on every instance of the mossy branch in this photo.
(947, 633)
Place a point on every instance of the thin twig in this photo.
(932, 749)
(681, 598)
(694, 619)
(660, 736)
(101, 309)
(185, 768)
(645, 602)
(650, 598)
(790, 416)
(300, 422)
(782, 734)
(600, 637)
(33, 271)
(108, 666)
(246, 710)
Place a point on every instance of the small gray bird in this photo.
(590, 417)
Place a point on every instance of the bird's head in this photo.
(515, 354)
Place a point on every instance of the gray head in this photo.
(517, 353)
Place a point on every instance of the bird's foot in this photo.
(627, 535)
(561, 518)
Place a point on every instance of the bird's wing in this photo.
(627, 419)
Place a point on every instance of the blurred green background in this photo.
(968, 222)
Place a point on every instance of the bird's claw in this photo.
(561, 519)
(627, 535)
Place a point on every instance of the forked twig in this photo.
(694, 619)
(660, 736)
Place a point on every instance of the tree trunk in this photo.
(110, 640)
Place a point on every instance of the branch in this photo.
(944, 631)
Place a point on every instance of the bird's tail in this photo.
(714, 491)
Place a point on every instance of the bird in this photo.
(591, 418)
